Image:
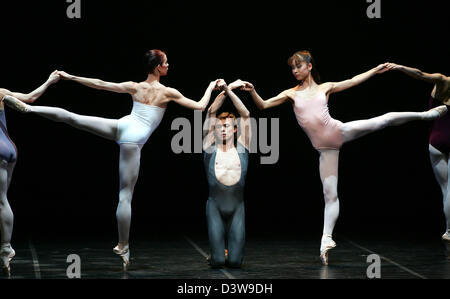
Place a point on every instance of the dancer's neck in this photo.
(308, 82)
(226, 146)
(153, 77)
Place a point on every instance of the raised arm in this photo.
(265, 104)
(174, 95)
(35, 94)
(333, 87)
(210, 121)
(244, 124)
(124, 87)
(435, 78)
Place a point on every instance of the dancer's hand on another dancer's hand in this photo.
(393, 66)
(214, 83)
(221, 84)
(382, 68)
(65, 76)
(236, 84)
(247, 86)
(54, 77)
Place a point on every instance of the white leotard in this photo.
(137, 127)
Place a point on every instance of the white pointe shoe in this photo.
(327, 245)
(16, 104)
(7, 253)
(446, 237)
(441, 110)
(124, 253)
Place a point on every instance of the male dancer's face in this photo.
(225, 130)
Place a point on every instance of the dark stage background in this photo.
(66, 181)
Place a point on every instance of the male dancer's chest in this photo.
(227, 166)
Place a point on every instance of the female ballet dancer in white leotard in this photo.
(131, 132)
(8, 158)
(310, 102)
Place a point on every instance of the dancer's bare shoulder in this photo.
(153, 93)
(289, 93)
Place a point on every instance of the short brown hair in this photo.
(225, 115)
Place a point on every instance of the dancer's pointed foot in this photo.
(7, 253)
(436, 112)
(124, 253)
(326, 245)
(16, 104)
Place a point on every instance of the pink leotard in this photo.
(312, 115)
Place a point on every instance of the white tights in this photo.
(329, 159)
(440, 164)
(129, 161)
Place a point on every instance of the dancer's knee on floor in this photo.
(217, 261)
(234, 264)
(234, 260)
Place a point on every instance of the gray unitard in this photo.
(225, 212)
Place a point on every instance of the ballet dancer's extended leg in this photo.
(216, 234)
(440, 164)
(103, 127)
(355, 129)
(328, 167)
(236, 238)
(129, 164)
(6, 219)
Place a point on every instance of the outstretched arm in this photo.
(124, 87)
(174, 95)
(333, 87)
(35, 94)
(265, 104)
(418, 74)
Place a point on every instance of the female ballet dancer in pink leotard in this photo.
(309, 99)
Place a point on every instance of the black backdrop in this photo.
(66, 181)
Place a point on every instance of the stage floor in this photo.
(183, 257)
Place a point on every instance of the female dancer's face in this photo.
(301, 70)
(225, 129)
(163, 67)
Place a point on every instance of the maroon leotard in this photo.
(440, 130)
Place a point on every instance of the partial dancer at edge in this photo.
(131, 132)
(8, 159)
(226, 162)
(310, 102)
(439, 146)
